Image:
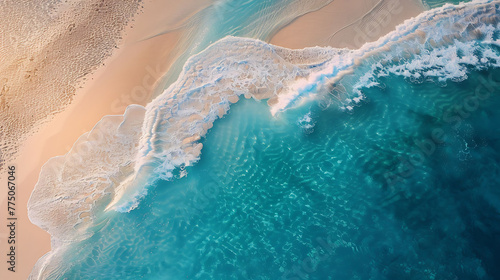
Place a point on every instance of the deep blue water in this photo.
(399, 182)
(273, 198)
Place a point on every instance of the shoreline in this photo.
(129, 76)
(368, 20)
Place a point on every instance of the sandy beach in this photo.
(129, 76)
(344, 23)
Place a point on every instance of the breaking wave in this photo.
(112, 166)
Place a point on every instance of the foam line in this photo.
(113, 166)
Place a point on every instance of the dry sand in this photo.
(127, 77)
(130, 74)
(347, 23)
(46, 47)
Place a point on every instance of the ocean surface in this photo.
(376, 163)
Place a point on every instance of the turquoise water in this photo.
(270, 192)
(389, 172)
(254, 19)
(438, 3)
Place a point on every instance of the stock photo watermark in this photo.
(373, 29)
(324, 249)
(453, 117)
(204, 194)
(140, 94)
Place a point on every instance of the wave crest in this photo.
(112, 166)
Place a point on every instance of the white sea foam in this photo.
(112, 166)
(306, 123)
(208, 84)
(439, 44)
(71, 187)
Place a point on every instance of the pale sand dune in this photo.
(129, 77)
(347, 23)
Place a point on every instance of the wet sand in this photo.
(346, 23)
(129, 75)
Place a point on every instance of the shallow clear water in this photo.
(391, 173)
(254, 19)
(299, 197)
(438, 3)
